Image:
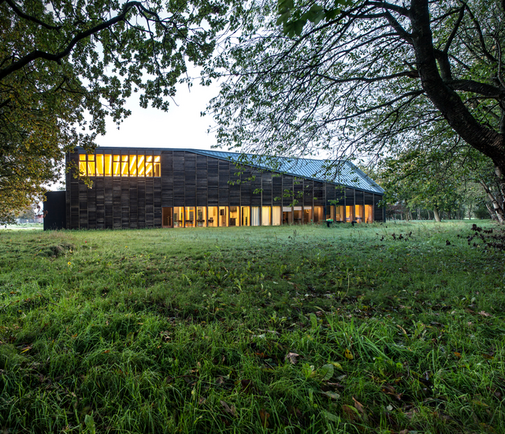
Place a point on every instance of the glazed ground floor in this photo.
(226, 216)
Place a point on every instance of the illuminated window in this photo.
(124, 165)
(369, 213)
(255, 216)
(190, 217)
(201, 216)
(99, 164)
(212, 217)
(82, 164)
(91, 165)
(276, 216)
(318, 214)
(116, 166)
(307, 215)
(234, 216)
(265, 216)
(149, 165)
(349, 213)
(359, 213)
(157, 165)
(119, 165)
(140, 165)
(108, 165)
(223, 216)
(246, 216)
(133, 165)
(178, 217)
(339, 215)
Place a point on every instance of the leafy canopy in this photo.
(364, 78)
(65, 66)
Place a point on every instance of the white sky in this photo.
(180, 127)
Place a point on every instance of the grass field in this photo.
(393, 328)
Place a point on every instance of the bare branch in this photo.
(454, 30)
(390, 7)
(476, 87)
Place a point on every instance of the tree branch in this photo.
(390, 7)
(410, 74)
(476, 87)
(398, 28)
(37, 54)
(20, 13)
(454, 30)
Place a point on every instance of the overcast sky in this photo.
(180, 127)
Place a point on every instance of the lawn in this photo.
(381, 328)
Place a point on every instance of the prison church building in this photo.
(174, 188)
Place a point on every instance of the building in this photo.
(154, 188)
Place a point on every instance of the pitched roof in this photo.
(339, 172)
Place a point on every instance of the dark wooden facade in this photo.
(190, 179)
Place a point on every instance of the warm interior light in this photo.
(117, 165)
(149, 165)
(99, 164)
(140, 165)
(124, 165)
(91, 165)
(133, 165)
(82, 164)
(108, 165)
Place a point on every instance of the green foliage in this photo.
(293, 21)
(66, 66)
(344, 78)
(252, 330)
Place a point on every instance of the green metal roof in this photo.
(339, 172)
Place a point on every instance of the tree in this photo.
(65, 66)
(442, 173)
(366, 77)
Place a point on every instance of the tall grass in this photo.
(298, 329)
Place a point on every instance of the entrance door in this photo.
(166, 215)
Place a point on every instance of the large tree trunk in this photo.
(498, 207)
(436, 215)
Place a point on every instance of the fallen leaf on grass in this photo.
(292, 357)
(348, 354)
(390, 390)
(350, 412)
(482, 313)
(264, 418)
(458, 355)
(326, 372)
(331, 395)
(230, 410)
(359, 406)
(330, 416)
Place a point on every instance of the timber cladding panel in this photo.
(191, 179)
